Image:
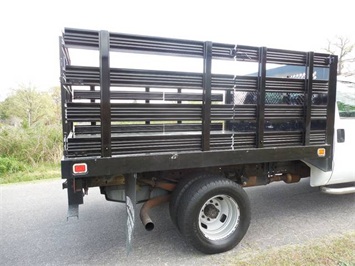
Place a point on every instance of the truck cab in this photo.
(344, 144)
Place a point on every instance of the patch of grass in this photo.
(335, 250)
(10, 165)
(31, 173)
(32, 145)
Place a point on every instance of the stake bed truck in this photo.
(152, 120)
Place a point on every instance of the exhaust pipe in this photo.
(144, 213)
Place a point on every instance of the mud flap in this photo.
(75, 198)
(73, 211)
(130, 191)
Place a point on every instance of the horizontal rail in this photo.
(141, 95)
(89, 39)
(92, 129)
(81, 112)
(79, 75)
(146, 143)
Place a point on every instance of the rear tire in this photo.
(213, 214)
(178, 192)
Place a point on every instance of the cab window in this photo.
(346, 100)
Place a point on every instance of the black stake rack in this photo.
(122, 113)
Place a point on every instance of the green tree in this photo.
(3, 115)
(32, 106)
(55, 94)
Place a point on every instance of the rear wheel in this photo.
(214, 214)
(180, 189)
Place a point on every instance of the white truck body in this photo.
(343, 159)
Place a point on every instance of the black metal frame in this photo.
(308, 97)
(66, 96)
(206, 97)
(326, 164)
(110, 151)
(190, 160)
(105, 104)
(261, 97)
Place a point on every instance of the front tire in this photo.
(214, 214)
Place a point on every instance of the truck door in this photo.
(344, 143)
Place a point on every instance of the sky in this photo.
(29, 29)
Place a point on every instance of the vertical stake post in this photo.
(206, 98)
(308, 98)
(260, 110)
(105, 104)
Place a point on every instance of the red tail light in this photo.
(80, 168)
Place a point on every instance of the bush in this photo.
(32, 145)
(10, 165)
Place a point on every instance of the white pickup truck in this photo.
(196, 138)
